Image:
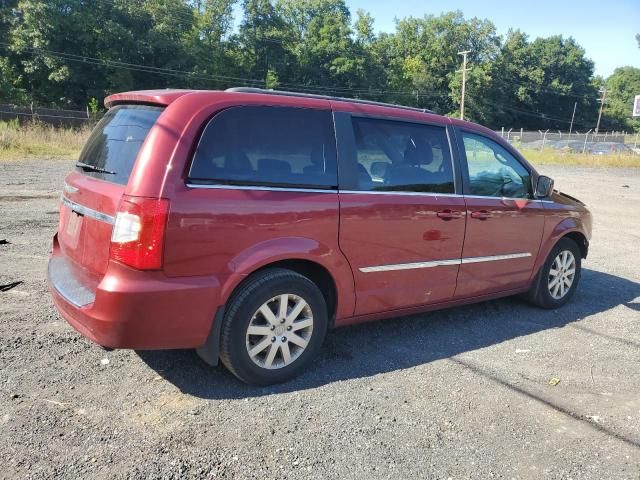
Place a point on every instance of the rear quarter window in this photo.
(267, 146)
(116, 140)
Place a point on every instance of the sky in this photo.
(606, 30)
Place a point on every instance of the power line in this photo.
(192, 17)
(532, 114)
(218, 78)
(255, 82)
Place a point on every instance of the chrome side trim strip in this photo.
(409, 266)
(265, 189)
(89, 212)
(366, 192)
(493, 258)
(440, 263)
(422, 194)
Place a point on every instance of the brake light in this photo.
(137, 239)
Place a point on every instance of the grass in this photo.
(37, 140)
(555, 157)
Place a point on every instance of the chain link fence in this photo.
(575, 142)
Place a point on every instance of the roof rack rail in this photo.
(323, 97)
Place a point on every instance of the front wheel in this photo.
(274, 325)
(559, 276)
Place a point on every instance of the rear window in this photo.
(115, 142)
(267, 146)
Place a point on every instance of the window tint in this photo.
(399, 156)
(275, 146)
(116, 140)
(493, 171)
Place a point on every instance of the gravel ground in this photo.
(462, 393)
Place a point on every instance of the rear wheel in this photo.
(558, 277)
(274, 324)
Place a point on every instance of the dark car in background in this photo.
(610, 148)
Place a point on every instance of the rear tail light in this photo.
(137, 239)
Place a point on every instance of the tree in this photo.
(10, 79)
(209, 47)
(262, 39)
(68, 48)
(326, 52)
(65, 52)
(537, 83)
(622, 87)
(423, 59)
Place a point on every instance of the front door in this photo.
(401, 224)
(504, 222)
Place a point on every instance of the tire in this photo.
(296, 339)
(546, 291)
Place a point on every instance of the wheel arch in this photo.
(580, 239)
(568, 228)
(315, 272)
(324, 264)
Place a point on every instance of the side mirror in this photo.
(544, 187)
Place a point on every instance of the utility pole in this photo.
(575, 105)
(464, 79)
(603, 91)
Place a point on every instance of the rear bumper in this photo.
(134, 309)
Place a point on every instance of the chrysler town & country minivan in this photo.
(245, 223)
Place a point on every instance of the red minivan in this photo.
(245, 223)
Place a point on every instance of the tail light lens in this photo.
(137, 239)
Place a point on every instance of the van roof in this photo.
(167, 96)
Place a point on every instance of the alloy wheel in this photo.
(279, 331)
(562, 274)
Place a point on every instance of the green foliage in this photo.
(10, 82)
(622, 87)
(66, 53)
(545, 77)
(93, 106)
(272, 80)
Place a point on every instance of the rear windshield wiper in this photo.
(92, 168)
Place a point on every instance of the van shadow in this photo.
(404, 342)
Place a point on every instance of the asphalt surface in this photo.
(461, 393)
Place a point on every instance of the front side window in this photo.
(398, 156)
(268, 146)
(493, 171)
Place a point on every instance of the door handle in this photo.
(481, 214)
(447, 215)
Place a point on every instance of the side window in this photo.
(398, 156)
(493, 171)
(268, 146)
